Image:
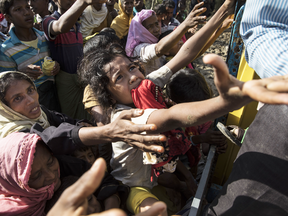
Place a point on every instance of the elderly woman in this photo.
(30, 174)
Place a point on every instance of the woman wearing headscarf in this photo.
(20, 111)
(30, 174)
(122, 22)
(144, 33)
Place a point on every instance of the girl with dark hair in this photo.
(112, 76)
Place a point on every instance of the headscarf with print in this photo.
(138, 33)
(11, 121)
(16, 159)
(122, 22)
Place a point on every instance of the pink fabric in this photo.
(138, 33)
(16, 158)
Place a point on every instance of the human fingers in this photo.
(223, 81)
(73, 200)
(197, 6)
(147, 143)
(158, 208)
(271, 90)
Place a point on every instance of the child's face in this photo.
(20, 14)
(38, 6)
(124, 76)
(169, 13)
(128, 6)
(85, 155)
(152, 25)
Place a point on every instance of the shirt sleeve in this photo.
(46, 25)
(145, 51)
(161, 76)
(264, 31)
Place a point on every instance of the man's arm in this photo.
(166, 43)
(233, 95)
(69, 18)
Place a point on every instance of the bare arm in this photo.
(122, 129)
(193, 46)
(215, 35)
(69, 18)
(233, 95)
(166, 43)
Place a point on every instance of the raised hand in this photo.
(194, 17)
(273, 90)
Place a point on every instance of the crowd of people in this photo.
(82, 80)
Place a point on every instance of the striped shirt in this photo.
(16, 55)
(264, 30)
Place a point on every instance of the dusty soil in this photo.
(220, 47)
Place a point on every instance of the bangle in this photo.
(193, 144)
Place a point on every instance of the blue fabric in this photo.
(264, 30)
(15, 55)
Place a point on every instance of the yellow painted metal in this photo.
(243, 118)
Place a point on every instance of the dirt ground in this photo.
(220, 47)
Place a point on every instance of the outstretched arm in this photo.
(122, 129)
(233, 95)
(193, 46)
(166, 43)
(69, 17)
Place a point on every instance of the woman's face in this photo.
(44, 169)
(22, 97)
(127, 6)
(124, 76)
(152, 25)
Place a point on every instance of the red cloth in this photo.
(1, 17)
(144, 97)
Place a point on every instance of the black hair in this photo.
(91, 71)
(188, 85)
(169, 4)
(108, 29)
(5, 5)
(101, 41)
(160, 9)
(165, 34)
(8, 79)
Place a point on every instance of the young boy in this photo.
(66, 44)
(169, 22)
(26, 49)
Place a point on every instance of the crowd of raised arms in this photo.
(102, 110)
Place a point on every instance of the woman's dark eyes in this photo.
(30, 90)
(17, 99)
